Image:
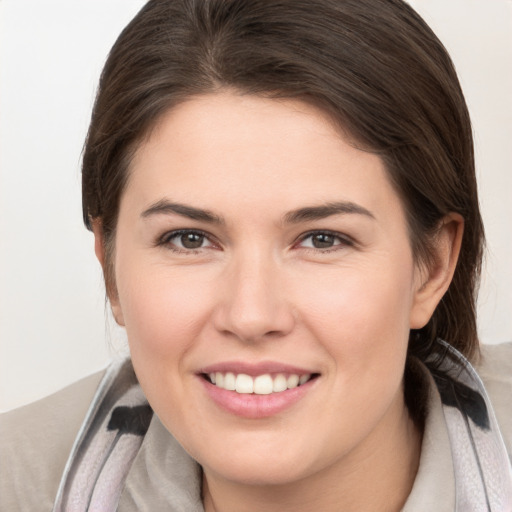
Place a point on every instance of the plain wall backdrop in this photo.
(53, 325)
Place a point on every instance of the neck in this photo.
(378, 475)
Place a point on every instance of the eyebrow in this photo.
(166, 207)
(310, 213)
(307, 213)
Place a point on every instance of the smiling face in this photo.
(256, 248)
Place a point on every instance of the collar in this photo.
(162, 474)
(434, 485)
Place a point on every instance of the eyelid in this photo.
(164, 240)
(346, 241)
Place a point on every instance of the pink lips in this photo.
(254, 369)
(253, 406)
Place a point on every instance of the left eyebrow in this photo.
(309, 213)
(166, 207)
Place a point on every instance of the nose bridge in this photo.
(254, 304)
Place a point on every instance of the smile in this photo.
(257, 390)
(265, 384)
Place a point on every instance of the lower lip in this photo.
(252, 406)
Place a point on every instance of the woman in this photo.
(289, 231)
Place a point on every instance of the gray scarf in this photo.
(119, 417)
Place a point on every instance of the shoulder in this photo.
(495, 370)
(35, 441)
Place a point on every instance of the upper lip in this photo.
(254, 369)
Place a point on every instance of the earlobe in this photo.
(117, 312)
(99, 246)
(433, 281)
(99, 249)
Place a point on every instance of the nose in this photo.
(252, 304)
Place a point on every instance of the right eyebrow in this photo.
(166, 207)
(311, 213)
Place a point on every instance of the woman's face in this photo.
(257, 248)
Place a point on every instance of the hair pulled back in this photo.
(373, 65)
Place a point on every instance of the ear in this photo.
(108, 273)
(433, 281)
(99, 246)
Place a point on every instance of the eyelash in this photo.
(165, 240)
(344, 241)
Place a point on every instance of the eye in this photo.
(186, 240)
(324, 240)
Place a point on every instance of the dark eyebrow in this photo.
(166, 207)
(309, 213)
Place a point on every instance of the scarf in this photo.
(119, 417)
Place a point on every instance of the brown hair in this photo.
(373, 65)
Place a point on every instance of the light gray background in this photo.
(53, 326)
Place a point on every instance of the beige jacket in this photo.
(35, 442)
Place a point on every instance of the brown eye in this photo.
(322, 240)
(325, 240)
(186, 240)
(191, 240)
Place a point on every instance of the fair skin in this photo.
(253, 283)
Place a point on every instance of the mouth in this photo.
(257, 390)
(263, 384)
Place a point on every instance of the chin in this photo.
(264, 465)
(258, 472)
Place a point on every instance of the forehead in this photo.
(218, 149)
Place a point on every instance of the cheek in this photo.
(362, 319)
(358, 301)
(163, 310)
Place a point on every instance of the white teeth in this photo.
(219, 379)
(230, 382)
(292, 381)
(244, 383)
(261, 385)
(279, 383)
